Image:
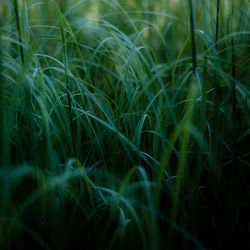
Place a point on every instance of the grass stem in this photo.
(2, 115)
(192, 23)
(18, 25)
(67, 79)
(217, 24)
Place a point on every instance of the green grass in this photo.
(124, 124)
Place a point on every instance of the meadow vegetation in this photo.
(124, 124)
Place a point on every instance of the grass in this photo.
(124, 124)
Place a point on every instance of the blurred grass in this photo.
(124, 125)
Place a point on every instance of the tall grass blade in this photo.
(3, 131)
(192, 29)
(18, 26)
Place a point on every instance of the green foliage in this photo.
(124, 124)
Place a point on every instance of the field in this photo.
(124, 124)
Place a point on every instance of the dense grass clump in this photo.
(124, 124)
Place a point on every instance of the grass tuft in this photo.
(124, 124)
